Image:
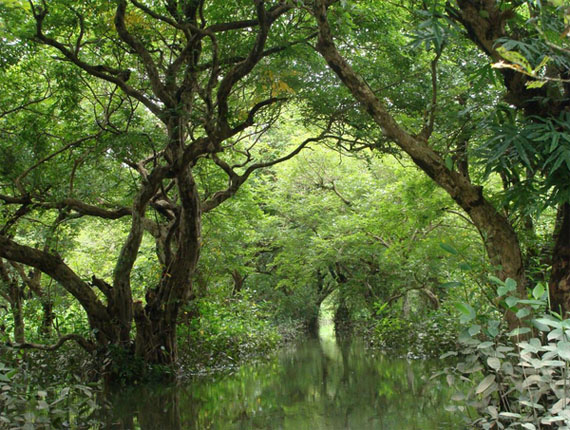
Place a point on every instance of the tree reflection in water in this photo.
(317, 385)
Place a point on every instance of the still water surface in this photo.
(318, 384)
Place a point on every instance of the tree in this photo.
(526, 42)
(485, 23)
(155, 89)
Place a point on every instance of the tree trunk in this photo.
(238, 281)
(559, 284)
(48, 317)
(17, 313)
(155, 340)
(156, 322)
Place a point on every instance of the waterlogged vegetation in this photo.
(186, 185)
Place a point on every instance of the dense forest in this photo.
(188, 185)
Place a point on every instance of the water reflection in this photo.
(316, 385)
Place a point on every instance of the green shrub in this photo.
(225, 332)
(513, 379)
(425, 336)
(23, 405)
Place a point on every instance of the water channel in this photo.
(317, 384)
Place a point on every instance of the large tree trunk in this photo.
(156, 322)
(560, 276)
(155, 340)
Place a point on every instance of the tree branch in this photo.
(115, 76)
(149, 65)
(81, 341)
(237, 180)
(18, 180)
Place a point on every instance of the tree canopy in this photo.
(157, 156)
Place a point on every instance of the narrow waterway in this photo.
(317, 384)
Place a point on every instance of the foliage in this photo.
(196, 96)
(518, 378)
(24, 405)
(424, 336)
(225, 332)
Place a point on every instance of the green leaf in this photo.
(511, 301)
(540, 326)
(501, 291)
(449, 162)
(474, 329)
(493, 328)
(549, 322)
(515, 58)
(535, 84)
(511, 284)
(484, 345)
(519, 330)
(524, 312)
(542, 64)
(494, 363)
(563, 350)
(531, 302)
(448, 354)
(448, 248)
(496, 280)
(538, 291)
(484, 384)
(468, 313)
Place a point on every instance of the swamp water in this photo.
(318, 384)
